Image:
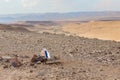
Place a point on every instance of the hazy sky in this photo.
(43, 6)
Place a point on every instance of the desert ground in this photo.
(79, 58)
(105, 30)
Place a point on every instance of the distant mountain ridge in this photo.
(72, 16)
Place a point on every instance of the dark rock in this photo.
(31, 71)
(5, 66)
(15, 62)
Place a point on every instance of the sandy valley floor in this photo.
(106, 30)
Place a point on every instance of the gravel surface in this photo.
(80, 58)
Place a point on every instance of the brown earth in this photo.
(80, 58)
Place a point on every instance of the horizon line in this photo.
(56, 12)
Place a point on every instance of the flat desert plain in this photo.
(105, 30)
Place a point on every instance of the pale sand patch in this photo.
(106, 30)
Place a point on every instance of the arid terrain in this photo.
(79, 58)
(106, 30)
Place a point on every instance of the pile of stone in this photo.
(13, 61)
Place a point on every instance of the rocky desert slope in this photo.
(80, 58)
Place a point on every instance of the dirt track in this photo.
(81, 58)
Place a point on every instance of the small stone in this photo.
(31, 71)
(15, 62)
(5, 66)
(34, 58)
